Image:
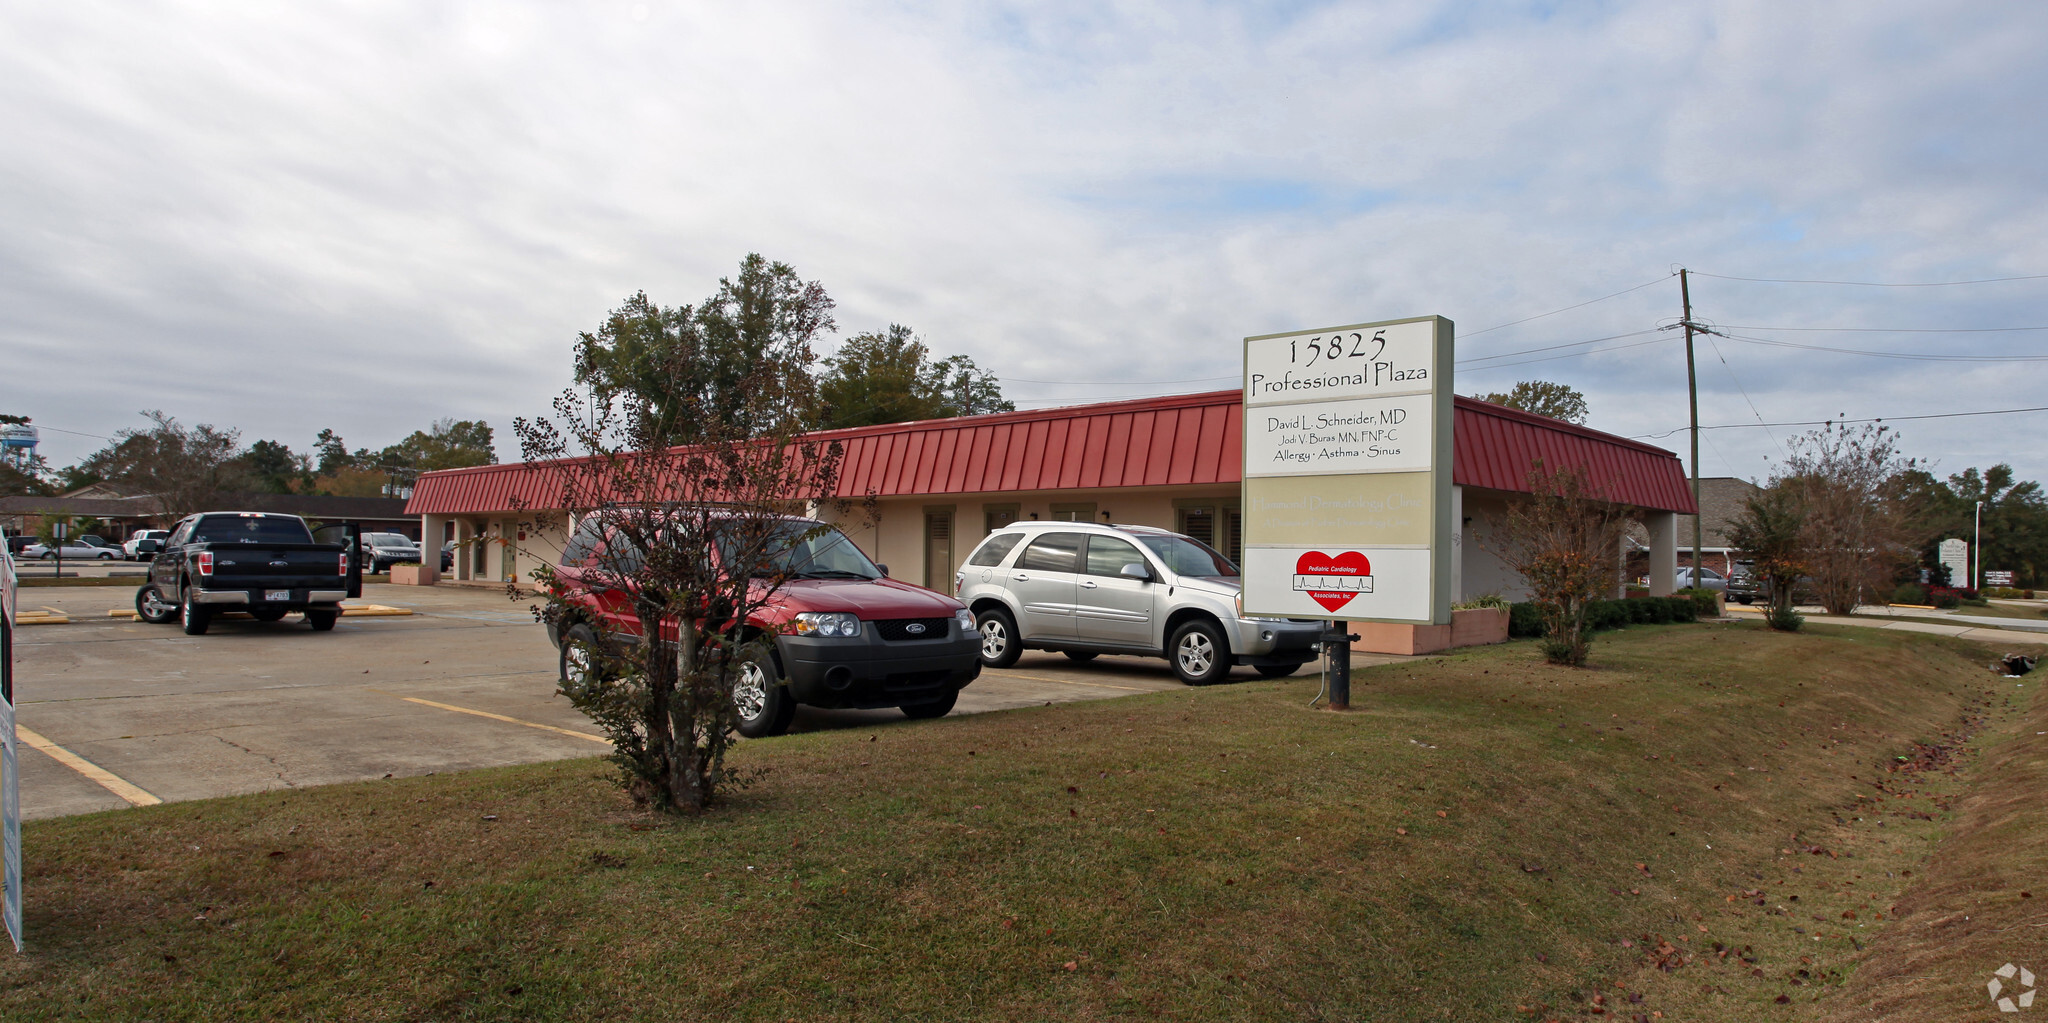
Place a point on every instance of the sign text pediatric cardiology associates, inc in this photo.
(1347, 472)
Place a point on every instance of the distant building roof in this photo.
(1180, 440)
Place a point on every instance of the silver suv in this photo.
(1086, 589)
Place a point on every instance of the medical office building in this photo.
(922, 494)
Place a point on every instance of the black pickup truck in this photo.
(265, 564)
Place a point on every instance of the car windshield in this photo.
(1187, 556)
(251, 529)
(802, 550)
(387, 540)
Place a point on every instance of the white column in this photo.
(431, 528)
(1663, 552)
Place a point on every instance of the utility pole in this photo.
(1692, 393)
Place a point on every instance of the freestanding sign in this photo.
(1347, 472)
(10, 776)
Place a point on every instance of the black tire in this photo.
(578, 657)
(762, 705)
(1079, 656)
(936, 709)
(999, 645)
(267, 614)
(1745, 601)
(1199, 654)
(1278, 670)
(49, 555)
(194, 618)
(151, 607)
(322, 621)
(106, 555)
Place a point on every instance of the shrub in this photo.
(1606, 614)
(1947, 599)
(1687, 608)
(1704, 603)
(1909, 593)
(1783, 619)
(1483, 600)
(1525, 619)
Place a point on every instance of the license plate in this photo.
(277, 594)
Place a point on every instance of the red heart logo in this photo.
(1347, 563)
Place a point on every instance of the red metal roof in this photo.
(1180, 440)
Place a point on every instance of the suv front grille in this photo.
(895, 629)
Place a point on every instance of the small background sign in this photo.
(1347, 472)
(1992, 578)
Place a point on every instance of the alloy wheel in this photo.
(750, 691)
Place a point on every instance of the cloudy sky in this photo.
(364, 216)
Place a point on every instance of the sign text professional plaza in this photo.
(1347, 472)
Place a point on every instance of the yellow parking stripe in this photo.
(105, 778)
(501, 717)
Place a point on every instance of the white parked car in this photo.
(128, 545)
(1084, 589)
(77, 550)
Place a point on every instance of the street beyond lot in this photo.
(467, 680)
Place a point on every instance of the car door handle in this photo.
(1021, 577)
(1087, 584)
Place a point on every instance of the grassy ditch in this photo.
(1714, 822)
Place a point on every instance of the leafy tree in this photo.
(667, 458)
(1853, 488)
(888, 377)
(668, 362)
(185, 469)
(1565, 542)
(1544, 398)
(1772, 528)
(276, 468)
(332, 453)
(2015, 534)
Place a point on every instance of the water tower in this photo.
(18, 443)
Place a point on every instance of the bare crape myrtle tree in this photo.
(678, 461)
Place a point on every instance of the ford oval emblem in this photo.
(915, 628)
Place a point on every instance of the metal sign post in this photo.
(58, 531)
(1347, 474)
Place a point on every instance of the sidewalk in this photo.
(1970, 632)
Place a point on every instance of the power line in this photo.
(1569, 308)
(1831, 422)
(1910, 356)
(1897, 330)
(1871, 284)
(1574, 355)
(1745, 392)
(1551, 348)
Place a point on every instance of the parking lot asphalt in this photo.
(115, 713)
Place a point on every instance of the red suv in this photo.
(846, 635)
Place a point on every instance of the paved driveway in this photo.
(117, 713)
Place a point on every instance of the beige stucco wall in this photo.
(1484, 571)
(892, 530)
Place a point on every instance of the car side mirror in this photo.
(884, 569)
(1135, 571)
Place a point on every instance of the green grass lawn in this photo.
(1709, 819)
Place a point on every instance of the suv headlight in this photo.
(827, 623)
(967, 623)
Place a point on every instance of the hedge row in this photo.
(1525, 620)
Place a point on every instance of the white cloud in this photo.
(288, 217)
